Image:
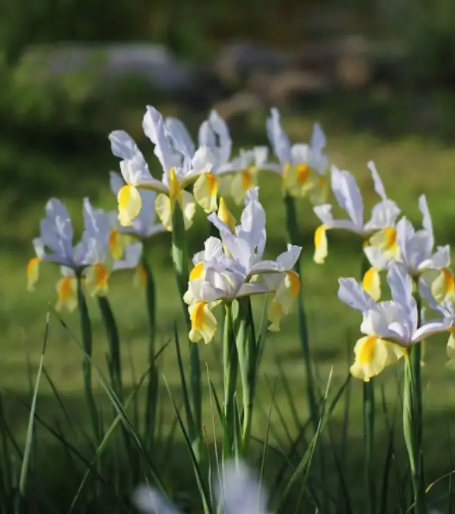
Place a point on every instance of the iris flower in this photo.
(415, 252)
(232, 267)
(390, 327)
(379, 231)
(301, 166)
(88, 258)
(237, 491)
(178, 173)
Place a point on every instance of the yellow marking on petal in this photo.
(443, 287)
(197, 271)
(96, 280)
(174, 186)
(386, 240)
(203, 323)
(294, 283)
(371, 283)
(67, 296)
(372, 355)
(302, 173)
(205, 191)
(32, 273)
(116, 244)
(283, 301)
(320, 244)
(247, 180)
(129, 205)
(275, 315)
(226, 216)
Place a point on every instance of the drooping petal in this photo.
(443, 286)
(225, 215)
(376, 257)
(164, 211)
(96, 280)
(32, 273)
(320, 244)
(440, 259)
(386, 240)
(205, 192)
(188, 206)
(287, 259)
(203, 323)
(371, 282)
(451, 349)
(241, 182)
(129, 205)
(372, 355)
(67, 294)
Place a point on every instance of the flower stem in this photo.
(294, 238)
(411, 436)
(369, 409)
(230, 364)
(180, 260)
(153, 383)
(86, 333)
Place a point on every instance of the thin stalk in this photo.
(86, 333)
(416, 362)
(411, 435)
(247, 356)
(230, 365)
(153, 383)
(294, 238)
(180, 260)
(115, 362)
(369, 409)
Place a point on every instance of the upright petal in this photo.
(400, 284)
(220, 128)
(179, 133)
(153, 126)
(347, 193)
(124, 146)
(278, 139)
(352, 294)
(378, 185)
(116, 182)
(426, 218)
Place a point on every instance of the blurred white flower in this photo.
(237, 491)
(301, 166)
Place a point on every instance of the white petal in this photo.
(151, 501)
(287, 260)
(383, 215)
(153, 126)
(378, 185)
(348, 195)
(278, 139)
(431, 328)
(318, 139)
(131, 257)
(427, 223)
(116, 182)
(376, 257)
(352, 293)
(400, 284)
(124, 146)
(179, 133)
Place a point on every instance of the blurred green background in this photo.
(378, 74)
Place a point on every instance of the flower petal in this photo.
(320, 244)
(96, 280)
(378, 185)
(352, 294)
(203, 323)
(129, 205)
(164, 210)
(188, 208)
(67, 294)
(371, 282)
(372, 355)
(32, 273)
(205, 191)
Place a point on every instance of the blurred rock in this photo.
(152, 63)
(238, 105)
(238, 61)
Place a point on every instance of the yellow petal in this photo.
(129, 204)
(225, 215)
(67, 294)
(371, 283)
(443, 287)
(96, 280)
(164, 211)
(189, 208)
(284, 299)
(205, 191)
(372, 355)
(386, 240)
(32, 273)
(197, 271)
(451, 349)
(320, 244)
(203, 323)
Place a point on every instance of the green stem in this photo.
(180, 260)
(369, 409)
(86, 333)
(230, 364)
(411, 436)
(247, 356)
(153, 383)
(115, 364)
(294, 238)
